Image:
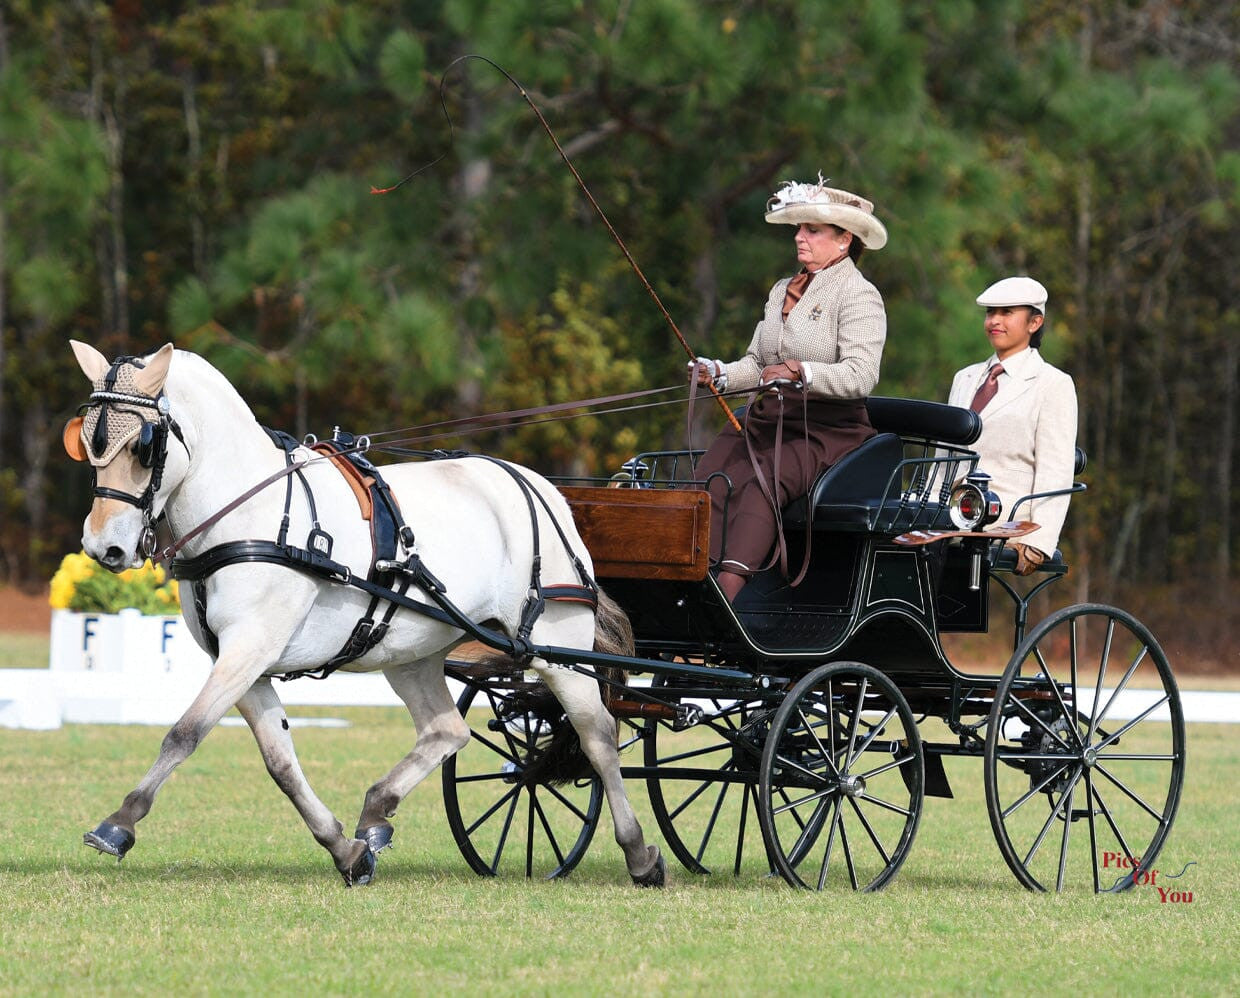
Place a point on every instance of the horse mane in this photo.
(195, 372)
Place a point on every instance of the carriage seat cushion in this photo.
(850, 492)
(948, 424)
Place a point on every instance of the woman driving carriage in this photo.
(816, 352)
(1028, 410)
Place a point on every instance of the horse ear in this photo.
(151, 378)
(93, 364)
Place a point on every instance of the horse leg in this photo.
(579, 696)
(441, 732)
(261, 707)
(228, 680)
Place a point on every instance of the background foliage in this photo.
(200, 173)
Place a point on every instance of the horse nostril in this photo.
(114, 557)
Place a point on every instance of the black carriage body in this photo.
(864, 596)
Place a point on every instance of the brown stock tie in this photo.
(796, 288)
(988, 389)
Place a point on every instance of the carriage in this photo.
(797, 730)
(784, 732)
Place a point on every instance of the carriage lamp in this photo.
(972, 504)
(631, 476)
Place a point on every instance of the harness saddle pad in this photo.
(643, 533)
(360, 482)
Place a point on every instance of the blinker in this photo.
(145, 448)
(75, 446)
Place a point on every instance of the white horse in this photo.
(178, 442)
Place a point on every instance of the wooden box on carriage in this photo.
(643, 533)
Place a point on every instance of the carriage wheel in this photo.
(842, 780)
(1084, 751)
(503, 817)
(704, 781)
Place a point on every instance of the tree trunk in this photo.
(193, 173)
(4, 61)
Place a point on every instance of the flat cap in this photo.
(1013, 291)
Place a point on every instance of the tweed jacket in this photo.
(1028, 438)
(836, 330)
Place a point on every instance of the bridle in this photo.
(151, 448)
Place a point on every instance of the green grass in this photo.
(23, 650)
(226, 892)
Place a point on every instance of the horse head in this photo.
(122, 431)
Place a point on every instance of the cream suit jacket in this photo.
(837, 330)
(1028, 439)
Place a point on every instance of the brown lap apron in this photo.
(815, 435)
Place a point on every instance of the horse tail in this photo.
(613, 635)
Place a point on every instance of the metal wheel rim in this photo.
(832, 817)
(526, 813)
(1080, 761)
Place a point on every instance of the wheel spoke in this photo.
(710, 824)
(1012, 698)
(1033, 791)
(510, 795)
(1063, 707)
(834, 808)
(848, 859)
(1140, 657)
(1136, 720)
(792, 805)
(1129, 794)
(1093, 832)
(503, 836)
(701, 789)
(573, 809)
(885, 804)
(1050, 818)
(509, 754)
(1063, 845)
(869, 830)
(696, 753)
(1103, 662)
(875, 730)
(886, 767)
(536, 805)
(853, 721)
(1106, 813)
(1073, 672)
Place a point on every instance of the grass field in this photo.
(226, 892)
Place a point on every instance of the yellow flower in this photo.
(73, 569)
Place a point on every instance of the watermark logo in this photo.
(1137, 876)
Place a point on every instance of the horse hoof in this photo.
(362, 871)
(378, 837)
(656, 876)
(110, 838)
